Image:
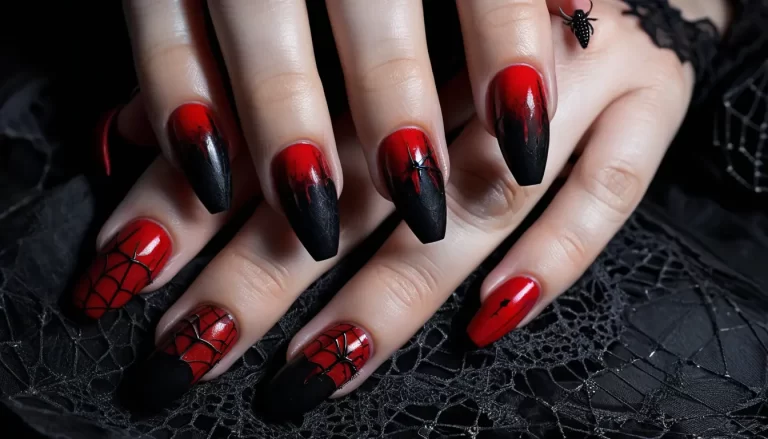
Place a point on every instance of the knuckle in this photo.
(162, 54)
(572, 245)
(262, 280)
(395, 73)
(506, 18)
(485, 200)
(615, 187)
(406, 284)
(281, 87)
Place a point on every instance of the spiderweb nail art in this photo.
(338, 353)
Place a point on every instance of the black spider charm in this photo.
(580, 24)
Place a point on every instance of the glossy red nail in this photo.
(127, 264)
(104, 134)
(308, 197)
(415, 182)
(189, 350)
(519, 107)
(325, 365)
(503, 310)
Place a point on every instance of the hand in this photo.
(621, 103)
(267, 48)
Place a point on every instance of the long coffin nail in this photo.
(503, 310)
(190, 350)
(308, 196)
(521, 122)
(127, 264)
(325, 364)
(415, 182)
(203, 154)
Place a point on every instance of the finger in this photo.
(267, 46)
(392, 296)
(154, 232)
(394, 102)
(511, 66)
(254, 279)
(607, 183)
(182, 88)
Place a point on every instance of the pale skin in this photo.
(619, 104)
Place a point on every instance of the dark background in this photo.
(664, 336)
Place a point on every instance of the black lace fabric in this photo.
(665, 336)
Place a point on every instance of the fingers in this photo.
(267, 47)
(392, 296)
(395, 106)
(245, 290)
(153, 233)
(250, 284)
(511, 66)
(186, 104)
(607, 183)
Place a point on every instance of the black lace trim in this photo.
(692, 41)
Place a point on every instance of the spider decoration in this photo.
(580, 24)
(338, 353)
(426, 164)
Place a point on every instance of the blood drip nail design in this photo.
(308, 196)
(519, 108)
(325, 364)
(203, 154)
(190, 350)
(415, 182)
(503, 310)
(127, 264)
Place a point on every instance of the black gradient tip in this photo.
(291, 393)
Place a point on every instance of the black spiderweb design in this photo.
(335, 356)
(127, 276)
(426, 164)
(202, 338)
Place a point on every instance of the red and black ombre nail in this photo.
(325, 365)
(203, 153)
(127, 264)
(189, 350)
(503, 310)
(415, 182)
(308, 196)
(518, 106)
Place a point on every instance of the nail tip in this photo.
(156, 383)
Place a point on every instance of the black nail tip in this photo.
(296, 390)
(209, 175)
(315, 219)
(525, 155)
(155, 384)
(425, 210)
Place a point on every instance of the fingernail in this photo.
(521, 122)
(308, 197)
(503, 310)
(325, 365)
(104, 132)
(188, 351)
(202, 153)
(415, 182)
(126, 264)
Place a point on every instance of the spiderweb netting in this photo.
(741, 130)
(659, 339)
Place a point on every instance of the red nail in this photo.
(127, 264)
(203, 154)
(326, 364)
(103, 134)
(518, 107)
(189, 350)
(415, 182)
(503, 310)
(309, 199)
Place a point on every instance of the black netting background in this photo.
(665, 336)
